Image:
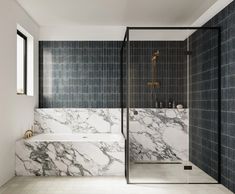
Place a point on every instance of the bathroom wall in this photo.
(16, 112)
(171, 73)
(203, 114)
(226, 20)
(86, 74)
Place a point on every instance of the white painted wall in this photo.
(82, 33)
(16, 112)
(97, 33)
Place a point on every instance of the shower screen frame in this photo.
(126, 42)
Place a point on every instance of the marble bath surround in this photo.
(70, 155)
(159, 134)
(77, 120)
(88, 142)
(73, 142)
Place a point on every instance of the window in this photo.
(21, 63)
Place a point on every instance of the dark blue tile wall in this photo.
(86, 74)
(226, 20)
(171, 73)
(80, 74)
(203, 99)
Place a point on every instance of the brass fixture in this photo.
(154, 83)
(28, 133)
(155, 56)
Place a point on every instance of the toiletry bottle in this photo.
(169, 104)
(173, 104)
(156, 104)
(160, 105)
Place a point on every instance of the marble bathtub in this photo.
(159, 134)
(70, 155)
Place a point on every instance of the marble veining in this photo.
(77, 120)
(159, 134)
(155, 135)
(77, 158)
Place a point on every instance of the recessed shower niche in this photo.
(171, 104)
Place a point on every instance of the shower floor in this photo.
(167, 173)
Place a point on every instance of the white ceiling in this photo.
(55, 13)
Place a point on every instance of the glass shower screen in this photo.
(170, 104)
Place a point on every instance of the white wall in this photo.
(16, 112)
(82, 33)
(96, 33)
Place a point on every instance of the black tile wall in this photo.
(83, 74)
(226, 20)
(87, 74)
(171, 73)
(203, 95)
(124, 73)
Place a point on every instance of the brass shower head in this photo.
(155, 55)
